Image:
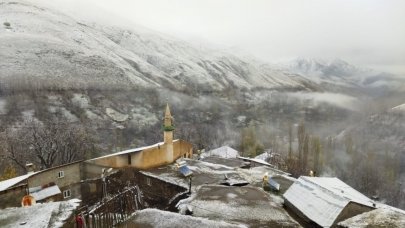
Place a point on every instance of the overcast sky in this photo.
(364, 32)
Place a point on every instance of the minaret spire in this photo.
(168, 129)
(168, 119)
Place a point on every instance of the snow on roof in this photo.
(321, 199)
(203, 173)
(132, 150)
(13, 181)
(381, 217)
(259, 161)
(263, 156)
(340, 188)
(224, 151)
(159, 219)
(51, 214)
(246, 204)
(46, 192)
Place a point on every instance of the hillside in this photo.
(55, 50)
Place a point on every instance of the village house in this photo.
(83, 179)
(325, 201)
(74, 180)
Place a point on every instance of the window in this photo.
(61, 174)
(148, 182)
(66, 194)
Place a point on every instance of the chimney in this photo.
(30, 167)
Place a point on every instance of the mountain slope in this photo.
(337, 72)
(50, 49)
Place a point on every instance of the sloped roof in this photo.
(132, 150)
(322, 199)
(46, 192)
(13, 181)
(224, 151)
(259, 161)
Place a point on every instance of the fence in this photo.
(114, 210)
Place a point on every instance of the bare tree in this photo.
(47, 144)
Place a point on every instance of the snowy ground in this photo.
(40, 215)
(157, 218)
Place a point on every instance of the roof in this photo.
(381, 217)
(46, 193)
(13, 181)
(259, 161)
(224, 151)
(203, 173)
(139, 149)
(322, 199)
(231, 162)
(247, 205)
(157, 218)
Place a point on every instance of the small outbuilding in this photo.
(325, 201)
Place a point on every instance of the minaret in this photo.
(168, 129)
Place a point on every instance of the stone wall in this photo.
(68, 181)
(12, 197)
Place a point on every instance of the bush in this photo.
(7, 24)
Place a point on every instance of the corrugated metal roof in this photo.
(46, 192)
(322, 199)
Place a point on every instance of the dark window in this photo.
(129, 159)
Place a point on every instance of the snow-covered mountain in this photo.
(341, 73)
(44, 46)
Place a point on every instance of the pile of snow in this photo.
(224, 152)
(157, 218)
(39, 215)
(382, 217)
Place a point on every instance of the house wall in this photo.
(351, 209)
(298, 216)
(158, 193)
(148, 158)
(70, 180)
